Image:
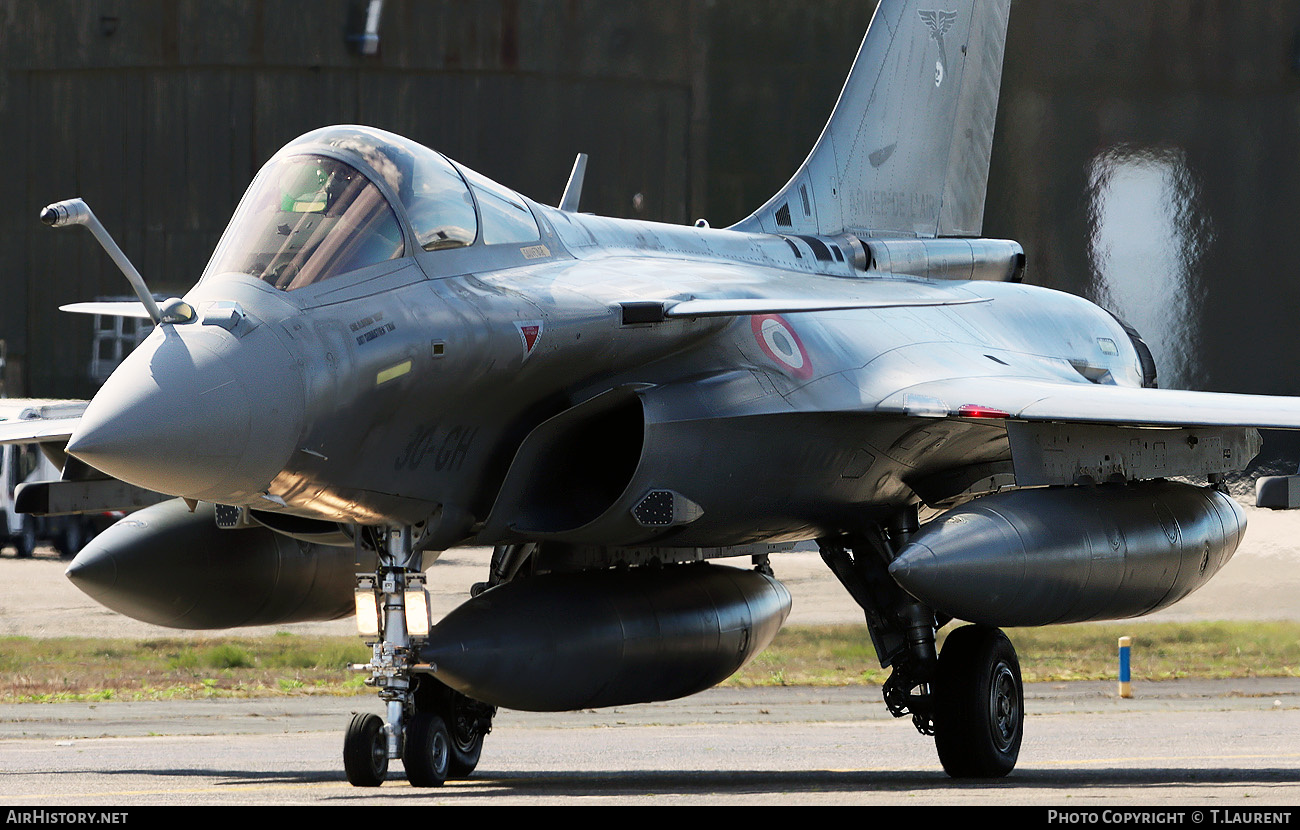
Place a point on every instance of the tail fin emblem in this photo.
(938, 22)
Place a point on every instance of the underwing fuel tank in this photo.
(167, 566)
(559, 642)
(1070, 554)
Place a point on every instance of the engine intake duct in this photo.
(572, 468)
(560, 642)
(1071, 554)
(167, 566)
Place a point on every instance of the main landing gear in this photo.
(969, 696)
(435, 731)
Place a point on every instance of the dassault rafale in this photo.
(389, 355)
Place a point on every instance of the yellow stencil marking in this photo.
(393, 372)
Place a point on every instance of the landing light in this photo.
(367, 609)
(415, 606)
(417, 611)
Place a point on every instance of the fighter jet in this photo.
(390, 355)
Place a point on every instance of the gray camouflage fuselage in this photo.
(360, 421)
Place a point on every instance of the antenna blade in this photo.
(573, 190)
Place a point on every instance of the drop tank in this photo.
(1070, 554)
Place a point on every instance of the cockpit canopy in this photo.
(324, 205)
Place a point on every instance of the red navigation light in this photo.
(971, 410)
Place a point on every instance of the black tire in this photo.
(467, 720)
(426, 752)
(365, 751)
(979, 704)
(466, 729)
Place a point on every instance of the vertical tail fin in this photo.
(906, 150)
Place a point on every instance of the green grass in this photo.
(284, 664)
(842, 655)
(95, 669)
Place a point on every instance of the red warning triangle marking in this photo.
(530, 332)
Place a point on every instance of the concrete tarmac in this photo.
(1225, 743)
(1230, 744)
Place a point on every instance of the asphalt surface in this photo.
(1227, 744)
(1230, 744)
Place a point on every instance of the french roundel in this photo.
(778, 341)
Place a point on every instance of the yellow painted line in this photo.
(1165, 758)
(393, 372)
(189, 790)
(1026, 764)
(228, 788)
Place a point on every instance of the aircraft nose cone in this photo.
(177, 415)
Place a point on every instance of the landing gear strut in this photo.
(435, 731)
(392, 657)
(970, 697)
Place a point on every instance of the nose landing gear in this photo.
(436, 731)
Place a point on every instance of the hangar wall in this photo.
(1145, 158)
(1144, 153)
(158, 113)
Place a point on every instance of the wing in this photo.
(1037, 400)
(28, 421)
(882, 295)
(748, 307)
(80, 489)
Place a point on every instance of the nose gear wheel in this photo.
(426, 752)
(365, 751)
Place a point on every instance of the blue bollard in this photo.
(1125, 686)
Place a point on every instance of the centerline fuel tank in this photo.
(559, 642)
